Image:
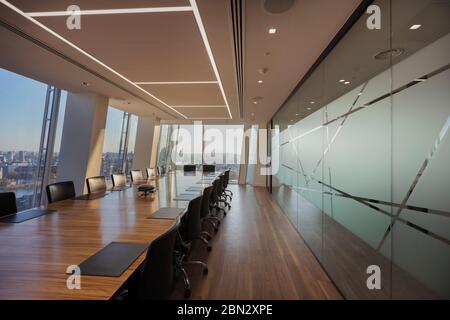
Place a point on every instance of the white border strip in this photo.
(198, 18)
(17, 10)
(107, 11)
(177, 82)
(205, 106)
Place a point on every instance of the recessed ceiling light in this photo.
(272, 30)
(292, 120)
(260, 81)
(342, 80)
(252, 114)
(255, 102)
(347, 82)
(415, 26)
(308, 108)
(312, 102)
(296, 114)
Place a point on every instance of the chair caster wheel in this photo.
(205, 271)
(187, 293)
(209, 248)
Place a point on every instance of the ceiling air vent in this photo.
(237, 14)
(383, 55)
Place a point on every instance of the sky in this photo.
(22, 102)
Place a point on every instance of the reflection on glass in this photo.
(364, 150)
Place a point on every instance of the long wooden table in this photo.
(35, 254)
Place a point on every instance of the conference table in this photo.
(35, 254)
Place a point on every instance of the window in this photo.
(118, 146)
(223, 147)
(188, 144)
(59, 127)
(131, 142)
(25, 110)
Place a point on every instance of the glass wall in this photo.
(365, 152)
(23, 105)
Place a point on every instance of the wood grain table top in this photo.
(35, 254)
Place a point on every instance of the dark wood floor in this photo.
(257, 254)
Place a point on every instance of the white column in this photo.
(259, 180)
(147, 137)
(82, 138)
(244, 155)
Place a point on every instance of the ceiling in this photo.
(173, 59)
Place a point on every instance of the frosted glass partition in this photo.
(365, 156)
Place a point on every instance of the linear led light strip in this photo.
(203, 106)
(14, 8)
(192, 8)
(178, 82)
(108, 11)
(198, 18)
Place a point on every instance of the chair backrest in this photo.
(192, 223)
(189, 168)
(118, 179)
(227, 179)
(157, 276)
(150, 173)
(220, 185)
(136, 175)
(7, 203)
(204, 211)
(60, 191)
(96, 184)
(214, 192)
(209, 168)
(162, 170)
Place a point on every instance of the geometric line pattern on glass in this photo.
(419, 174)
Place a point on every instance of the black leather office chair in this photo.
(205, 211)
(7, 203)
(214, 199)
(191, 230)
(96, 184)
(227, 192)
(221, 198)
(60, 191)
(136, 175)
(209, 168)
(151, 173)
(118, 179)
(157, 276)
(189, 168)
